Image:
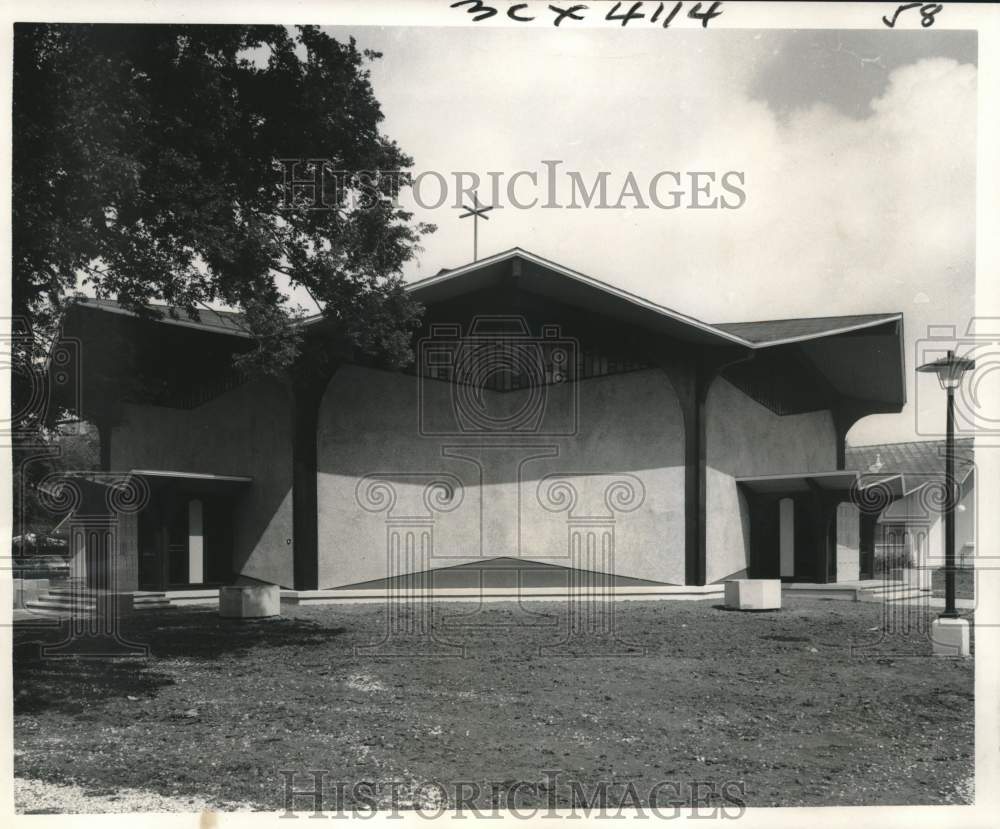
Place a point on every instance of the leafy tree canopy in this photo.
(145, 159)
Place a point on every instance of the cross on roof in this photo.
(477, 211)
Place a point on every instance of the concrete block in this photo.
(250, 602)
(950, 637)
(29, 590)
(753, 594)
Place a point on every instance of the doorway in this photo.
(187, 542)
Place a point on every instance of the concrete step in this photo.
(149, 603)
(199, 602)
(891, 588)
(69, 592)
(900, 595)
(68, 598)
(44, 605)
(209, 595)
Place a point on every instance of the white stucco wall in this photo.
(745, 438)
(245, 431)
(629, 429)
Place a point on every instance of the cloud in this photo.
(844, 214)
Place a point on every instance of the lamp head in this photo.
(949, 369)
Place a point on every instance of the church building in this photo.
(552, 429)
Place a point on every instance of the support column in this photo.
(683, 373)
(104, 426)
(311, 377)
(823, 514)
(691, 371)
(845, 414)
(196, 541)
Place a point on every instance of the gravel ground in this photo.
(40, 797)
(777, 702)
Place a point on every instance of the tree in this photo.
(146, 160)
(50, 453)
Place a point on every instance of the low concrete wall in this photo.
(28, 590)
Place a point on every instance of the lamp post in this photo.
(949, 371)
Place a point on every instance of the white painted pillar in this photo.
(848, 542)
(196, 542)
(786, 536)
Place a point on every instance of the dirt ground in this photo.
(821, 703)
(965, 584)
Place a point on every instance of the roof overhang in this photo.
(844, 483)
(855, 363)
(215, 322)
(197, 482)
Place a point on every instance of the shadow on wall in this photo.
(745, 438)
(246, 431)
(609, 448)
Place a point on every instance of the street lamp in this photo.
(949, 371)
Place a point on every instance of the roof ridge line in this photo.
(905, 442)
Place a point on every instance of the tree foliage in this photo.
(145, 164)
(51, 453)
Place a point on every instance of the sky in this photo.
(857, 150)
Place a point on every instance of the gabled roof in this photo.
(222, 322)
(775, 332)
(542, 276)
(799, 365)
(550, 278)
(914, 458)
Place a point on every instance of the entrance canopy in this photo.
(888, 486)
(93, 487)
(194, 482)
(796, 531)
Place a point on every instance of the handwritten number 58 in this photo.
(927, 13)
